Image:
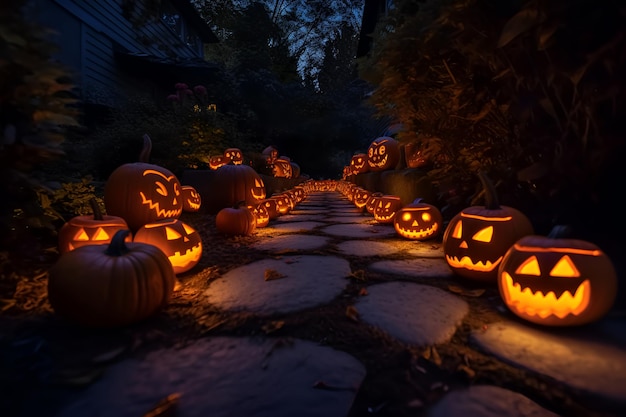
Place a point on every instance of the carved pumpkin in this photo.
(386, 208)
(95, 229)
(360, 197)
(235, 183)
(191, 198)
(414, 156)
(261, 214)
(141, 193)
(373, 202)
(233, 156)
(217, 161)
(557, 281)
(418, 221)
(238, 220)
(179, 241)
(284, 204)
(282, 167)
(270, 154)
(109, 286)
(383, 154)
(477, 238)
(271, 207)
(358, 163)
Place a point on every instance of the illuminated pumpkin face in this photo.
(383, 154)
(298, 194)
(414, 156)
(361, 197)
(418, 221)
(283, 203)
(347, 171)
(373, 202)
(476, 240)
(179, 241)
(260, 212)
(233, 156)
(270, 154)
(191, 198)
(386, 208)
(142, 193)
(557, 281)
(271, 207)
(358, 163)
(217, 161)
(282, 168)
(86, 230)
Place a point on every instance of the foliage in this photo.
(36, 108)
(529, 91)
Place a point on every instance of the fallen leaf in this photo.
(166, 407)
(272, 326)
(467, 370)
(352, 313)
(271, 274)
(363, 291)
(359, 275)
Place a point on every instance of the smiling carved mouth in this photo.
(466, 262)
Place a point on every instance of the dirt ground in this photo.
(43, 359)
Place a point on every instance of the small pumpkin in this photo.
(178, 240)
(386, 208)
(239, 220)
(141, 193)
(555, 280)
(261, 214)
(282, 167)
(360, 197)
(192, 201)
(217, 161)
(476, 239)
(358, 163)
(383, 154)
(233, 156)
(418, 221)
(96, 229)
(110, 285)
(373, 202)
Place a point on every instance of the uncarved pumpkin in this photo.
(238, 220)
(110, 285)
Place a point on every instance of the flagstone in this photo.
(416, 314)
(416, 267)
(351, 230)
(290, 227)
(300, 282)
(228, 376)
(292, 241)
(367, 248)
(347, 219)
(300, 217)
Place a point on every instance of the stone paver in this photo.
(292, 227)
(305, 281)
(413, 313)
(418, 267)
(291, 242)
(367, 248)
(360, 230)
(228, 377)
(301, 217)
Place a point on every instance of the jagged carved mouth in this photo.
(467, 263)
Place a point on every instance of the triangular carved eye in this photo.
(81, 236)
(484, 235)
(101, 234)
(161, 189)
(172, 234)
(188, 229)
(565, 268)
(529, 267)
(457, 233)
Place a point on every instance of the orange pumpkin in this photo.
(233, 156)
(383, 154)
(386, 208)
(418, 221)
(191, 199)
(261, 214)
(238, 220)
(358, 163)
(282, 167)
(217, 161)
(234, 183)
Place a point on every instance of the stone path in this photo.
(229, 376)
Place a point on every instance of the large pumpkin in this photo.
(178, 240)
(386, 208)
(96, 229)
(142, 193)
(557, 281)
(477, 238)
(239, 220)
(232, 184)
(418, 221)
(358, 163)
(383, 154)
(110, 285)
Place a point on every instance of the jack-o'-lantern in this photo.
(361, 197)
(233, 156)
(346, 172)
(272, 207)
(270, 153)
(418, 221)
(295, 170)
(298, 194)
(383, 154)
(358, 163)
(414, 156)
(217, 161)
(477, 238)
(555, 280)
(373, 202)
(142, 193)
(386, 208)
(282, 167)
(178, 240)
(283, 203)
(191, 198)
(239, 220)
(235, 183)
(96, 229)
(261, 214)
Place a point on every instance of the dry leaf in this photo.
(272, 326)
(352, 313)
(271, 274)
(363, 291)
(467, 370)
(166, 407)
(359, 275)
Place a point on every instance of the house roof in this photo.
(192, 16)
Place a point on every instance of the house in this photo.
(116, 47)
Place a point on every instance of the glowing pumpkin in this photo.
(191, 198)
(112, 285)
(271, 207)
(238, 220)
(414, 156)
(358, 163)
(235, 183)
(282, 167)
(270, 153)
(373, 202)
(217, 161)
(233, 156)
(386, 208)
(418, 221)
(557, 281)
(261, 214)
(96, 229)
(142, 193)
(180, 242)
(383, 154)
(477, 238)
(360, 197)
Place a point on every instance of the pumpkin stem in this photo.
(95, 208)
(118, 247)
(561, 231)
(491, 198)
(144, 155)
(418, 200)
